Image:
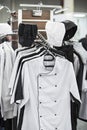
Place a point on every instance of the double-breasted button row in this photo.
(42, 74)
(54, 129)
(43, 87)
(54, 101)
(42, 116)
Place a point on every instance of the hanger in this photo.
(45, 44)
(49, 49)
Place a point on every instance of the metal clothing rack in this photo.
(41, 6)
(56, 9)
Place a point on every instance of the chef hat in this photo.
(55, 33)
(5, 29)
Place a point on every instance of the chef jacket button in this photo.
(39, 87)
(55, 73)
(40, 102)
(56, 129)
(40, 116)
(40, 75)
(55, 114)
(41, 129)
(55, 101)
(55, 85)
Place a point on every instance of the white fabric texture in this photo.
(5, 29)
(55, 33)
(1, 68)
(13, 88)
(84, 81)
(81, 51)
(6, 107)
(47, 95)
(14, 70)
(76, 64)
(83, 107)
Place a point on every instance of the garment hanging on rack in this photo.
(6, 64)
(29, 55)
(83, 107)
(27, 34)
(38, 63)
(73, 58)
(7, 68)
(33, 63)
(31, 49)
(67, 29)
(79, 65)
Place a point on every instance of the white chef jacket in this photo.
(1, 69)
(14, 70)
(8, 57)
(17, 76)
(47, 95)
(84, 83)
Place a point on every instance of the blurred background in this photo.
(76, 11)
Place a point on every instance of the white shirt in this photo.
(16, 63)
(1, 68)
(6, 107)
(47, 95)
(84, 81)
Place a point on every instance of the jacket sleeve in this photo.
(73, 84)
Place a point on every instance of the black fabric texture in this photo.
(68, 51)
(8, 124)
(74, 115)
(21, 118)
(84, 42)
(19, 90)
(2, 123)
(86, 75)
(27, 34)
(14, 123)
(70, 28)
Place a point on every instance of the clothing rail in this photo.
(41, 5)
